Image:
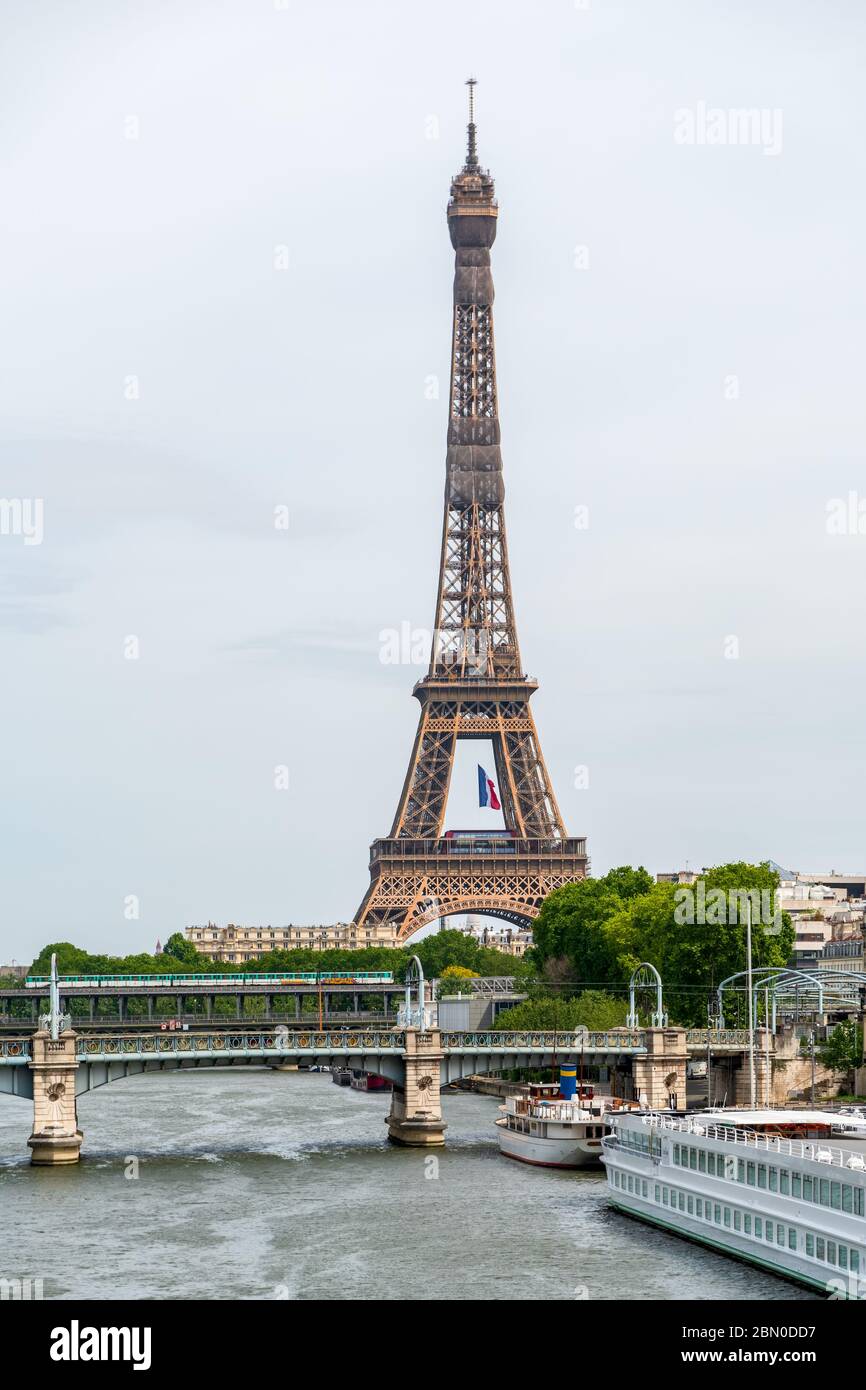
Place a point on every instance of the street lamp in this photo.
(751, 1002)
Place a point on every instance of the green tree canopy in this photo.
(593, 1009)
(843, 1050)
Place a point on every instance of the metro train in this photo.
(188, 982)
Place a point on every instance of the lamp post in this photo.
(751, 1003)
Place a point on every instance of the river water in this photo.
(274, 1185)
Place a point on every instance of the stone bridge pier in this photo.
(416, 1109)
(56, 1137)
(661, 1072)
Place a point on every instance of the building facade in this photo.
(235, 944)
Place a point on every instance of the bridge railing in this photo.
(617, 1040)
(15, 1050)
(717, 1037)
(290, 1040)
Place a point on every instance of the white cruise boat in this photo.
(777, 1188)
(554, 1127)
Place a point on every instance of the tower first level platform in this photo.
(414, 882)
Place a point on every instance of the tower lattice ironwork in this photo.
(475, 686)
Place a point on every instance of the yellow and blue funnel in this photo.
(567, 1082)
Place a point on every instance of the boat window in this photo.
(768, 1230)
(807, 1188)
(796, 1184)
(644, 1187)
(750, 1174)
(717, 1214)
(762, 1175)
(810, 1244)
(780, 1235)
(691, 1206)
(831, 1252)
(858, 1201)
(738, 1221)
(711, 1164)
(784, 1181)
(836, 1195)
(847, 1198)
(665, 1196)
(699, 1207)
(792, 1238)
(747, 1224)
(658, 1192)
(741, 1170)
(676, 1154)
(758, 1227)
(819, 1247)
(855, 1261)
(702, 1160)
(681, 1201)
(843, 1257)
(727, 1216)
(774, 1179)
(824, 1197)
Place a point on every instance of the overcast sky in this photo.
(226, 279)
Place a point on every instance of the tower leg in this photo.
(56, 1137)
(416, 1110)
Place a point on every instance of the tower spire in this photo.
(471, 151)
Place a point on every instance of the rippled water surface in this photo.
(266, 1184)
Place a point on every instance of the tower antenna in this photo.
(471, 152)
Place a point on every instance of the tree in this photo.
(592, 1009)
(71, 960)
(181, 949)
(453, 980)
(627, 882)
(843, 1050)
(570, 925)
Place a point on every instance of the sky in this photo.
(226, 278)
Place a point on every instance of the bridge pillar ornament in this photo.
(660, 1074)
(416, 1110)
(56, 1137)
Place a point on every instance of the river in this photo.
(272, 1185)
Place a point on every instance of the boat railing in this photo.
(816, 1150)
(557, 1111)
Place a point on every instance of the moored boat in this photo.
(367, 1081)
(554, 1127)
(775, 1188)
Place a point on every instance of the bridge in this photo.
(55, 1065)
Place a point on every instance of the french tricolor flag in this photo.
(487, 791)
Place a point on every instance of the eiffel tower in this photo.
(475, 686)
